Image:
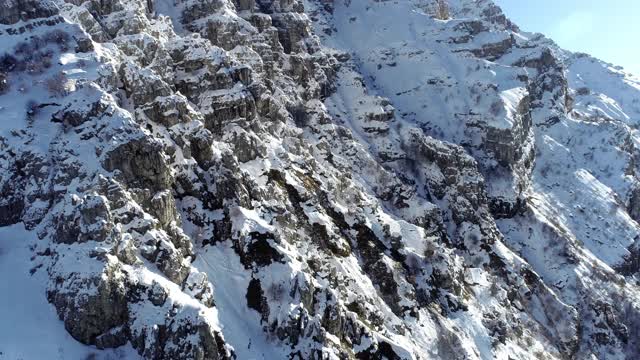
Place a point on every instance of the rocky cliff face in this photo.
(318, 179)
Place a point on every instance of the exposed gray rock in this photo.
(140, 162)
(86, 316)
(12, 11)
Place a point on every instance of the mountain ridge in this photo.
(314, 179)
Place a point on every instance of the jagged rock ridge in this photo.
(217, 179)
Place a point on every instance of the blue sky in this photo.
(607, 29)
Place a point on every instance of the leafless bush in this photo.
(495, 108)
(32, 108)
(57, 36)
(28, 47)
(276, 292)
(57, 85)
(31, 56)
(4, 83)
(7, 63)
(37, 62)
(442, 10)
(544, 171)
(583, 91)
(35, 55)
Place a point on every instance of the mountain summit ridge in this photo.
(317, 179)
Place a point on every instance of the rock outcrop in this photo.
(265, 179)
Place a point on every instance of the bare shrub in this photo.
(32, 108)
(57, 85)
(26, 47)
(34, 55)
(4, 83)
(276, 291)
(58, 37)
(495, 108)
(442, 10)
(7, 63)
(38, 62)
(583, 91)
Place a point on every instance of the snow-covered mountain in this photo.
(311, 179)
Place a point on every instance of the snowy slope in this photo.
(579, 197)
(318, 179)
